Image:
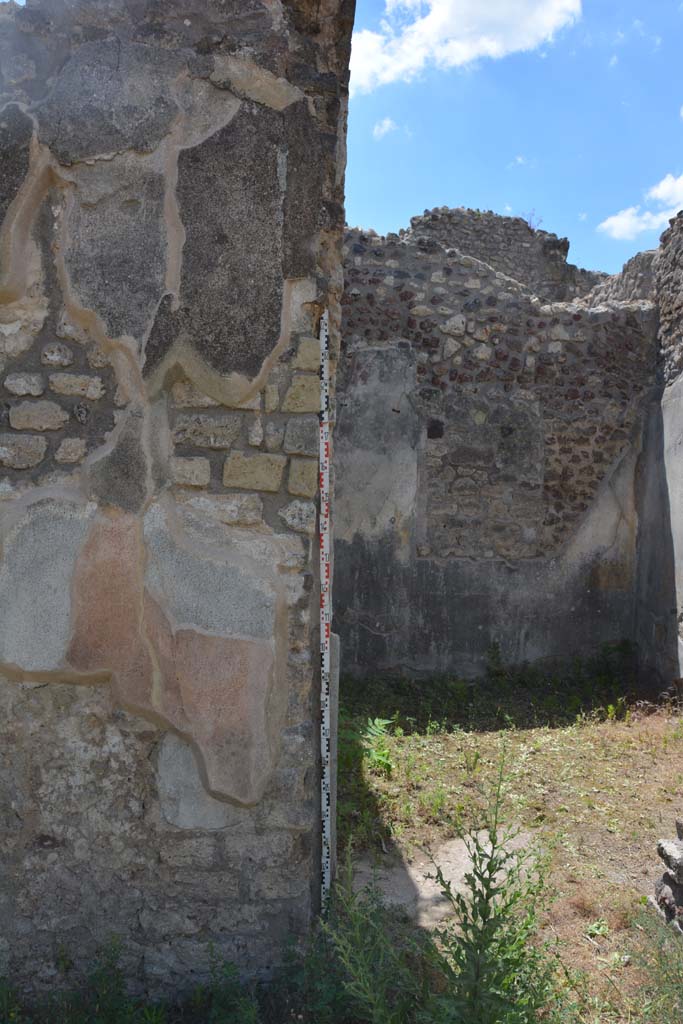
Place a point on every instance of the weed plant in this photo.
(368, 965)
(495, 971)
(525, 696)
(486, 966)
(660, 957)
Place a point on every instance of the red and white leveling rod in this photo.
(325, 606)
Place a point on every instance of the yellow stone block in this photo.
(303, 394)
(260, 472)
(272, 397)
(303, 477)
(308, 355)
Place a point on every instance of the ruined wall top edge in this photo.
(630, 288)
(668, 273)
(537, 259)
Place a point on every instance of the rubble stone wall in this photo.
(487, 448)
(172, 198)
(511, 246)
(634, 283)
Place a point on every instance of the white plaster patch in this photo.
(39, 556)
(254, 82)
(184, 800)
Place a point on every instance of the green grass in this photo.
(593, 776)
(604, 684)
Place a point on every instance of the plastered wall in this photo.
(660, 548)
(171, 191)
(488, 450)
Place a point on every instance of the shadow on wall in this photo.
(485, 455)
(657, 619)
(404, 608)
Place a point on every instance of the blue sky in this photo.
(571, 109)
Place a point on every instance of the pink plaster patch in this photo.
(215, 690)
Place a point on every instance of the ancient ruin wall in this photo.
(511, 246)
(660, 563)
(487, 447)
(635, 282)
(669, 290)
(171, 192)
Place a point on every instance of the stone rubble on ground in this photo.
(668, 897)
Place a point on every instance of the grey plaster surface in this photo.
(109, 97)
(116, 252)
(220, 597)
(15, 135)
(40, 553)
(376, 453)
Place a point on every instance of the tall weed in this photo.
(486, 966)
(660, 957)
(496, 971)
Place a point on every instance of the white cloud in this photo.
(669, 191)
(583, 216)
(383, 128)
(681, 113)
(613, 61)
(507, 208)
(396, 5)
(630, 223)
(627, 224)
(415, 34)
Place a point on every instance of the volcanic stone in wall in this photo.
(15, 135)
(485, 475)
(511, 246)
(669, 289)
(230, 303)
(116, 242)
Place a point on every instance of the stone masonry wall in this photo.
(669, 287)
(171, 191)
(636, 281)
(487, 446)
(509, 245)
(660, 561)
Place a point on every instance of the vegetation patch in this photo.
(553, 931)
(595, 776)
